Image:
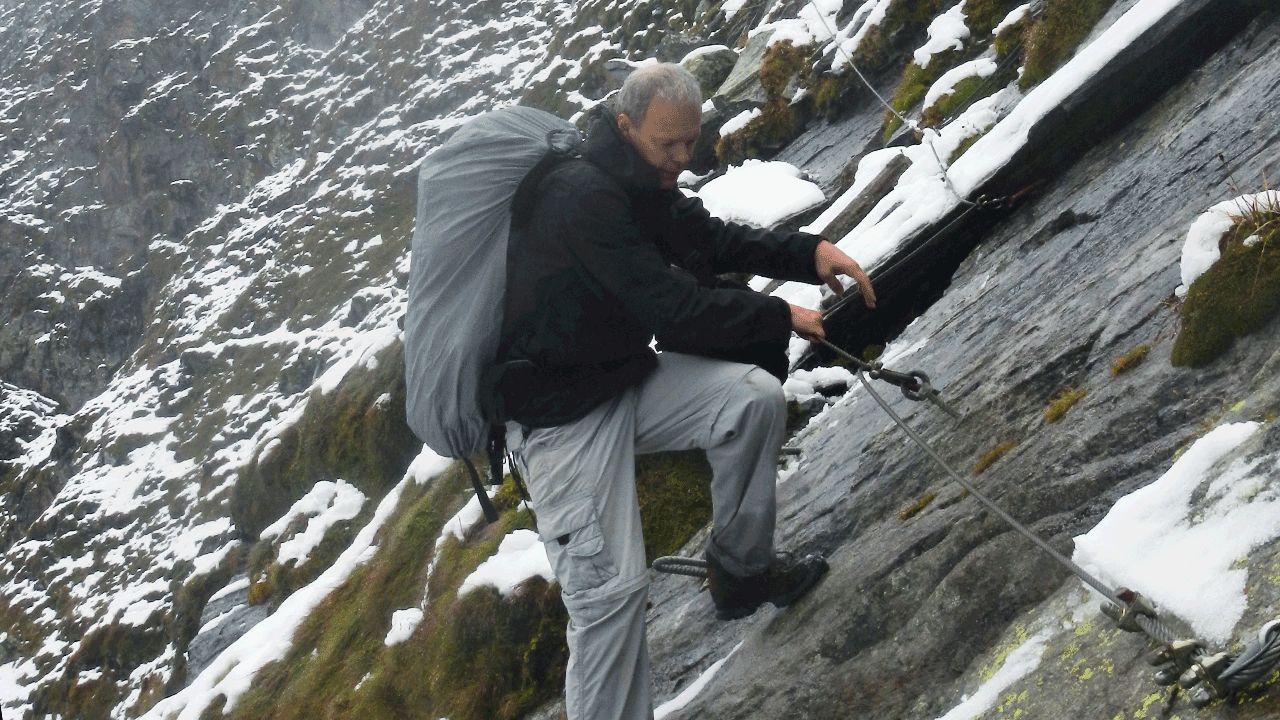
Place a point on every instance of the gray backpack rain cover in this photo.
(458, 269)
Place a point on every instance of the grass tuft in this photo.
(1053, 37)
(915, 508)
(1130, 360)
(992, 456)
(1062, 402)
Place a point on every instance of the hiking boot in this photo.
(785, 581)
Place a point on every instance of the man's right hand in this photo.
(807, 323)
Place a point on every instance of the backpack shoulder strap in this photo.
(562, 146)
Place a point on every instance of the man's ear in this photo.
(624, 126)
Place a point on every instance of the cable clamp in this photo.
(1201, 679)
(1134, 605)
(1178, 656)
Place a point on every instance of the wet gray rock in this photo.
(1054, 294)
(743, 83)
(711, 68)
(234, 616)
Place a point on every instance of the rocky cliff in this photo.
(204, 216)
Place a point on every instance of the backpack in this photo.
(467, 188)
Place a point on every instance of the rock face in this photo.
(914, 609)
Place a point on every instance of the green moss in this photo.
(783, 62)
(674, 491)
(911, 89)
(1010, 39)
(992, 456)
(476, 656)
(828, 91)
(1054, 36)
(767, 132)
(777, 124)
(1130, 360)
(1235, 296)
(964, 93)
(1062, 402)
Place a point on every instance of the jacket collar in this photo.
(606, 148)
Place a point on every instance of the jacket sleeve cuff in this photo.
(807, 250)
(777, 318)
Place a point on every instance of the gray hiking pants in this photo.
(581, 477)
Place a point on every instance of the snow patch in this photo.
(687, 695)
(982, 67)
(760, 193)
(1019, 663)
(1200, 251)
(1184, 557)
(520, 556)
(403, 625)
(327, 504)
(946, 32)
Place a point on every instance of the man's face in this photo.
(666, 137)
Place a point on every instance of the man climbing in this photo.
(609, 255)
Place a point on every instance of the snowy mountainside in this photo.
(204, 208)
(204, 215)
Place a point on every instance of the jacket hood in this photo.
(607, 149)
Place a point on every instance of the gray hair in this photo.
(668, 81)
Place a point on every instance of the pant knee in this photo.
(765, 393)
(755, 405)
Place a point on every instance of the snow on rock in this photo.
(1200, 251)
(869, 167)
(1015, 15)
(924, 193)
(403, 625)
(947, 32)
(822, 378)
(1181, 552)
(815, 22)
(520, 556)
(1020, 663)
(760, 193)
(327, 504)
(868, 16)
(233, 672)
(687, 695)
(739, 121)
(994, 150)
(983, 67)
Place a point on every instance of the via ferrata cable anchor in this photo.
(925, 391)
(1178, 657)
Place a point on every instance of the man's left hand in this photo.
(830, 261)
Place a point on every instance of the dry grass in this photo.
(1130, 360)
(1062, 402)
(916, 507)
(992, 456)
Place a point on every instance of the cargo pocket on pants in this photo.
(576, 546)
